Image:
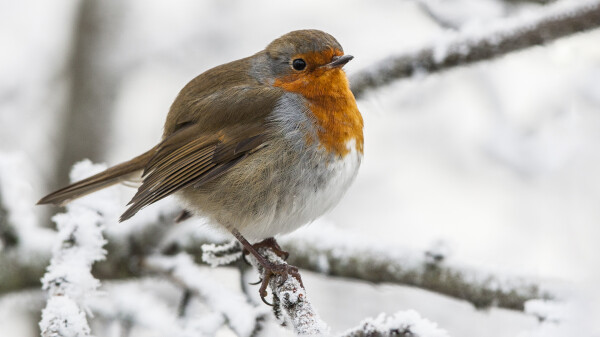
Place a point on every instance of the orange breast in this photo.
(333, 105)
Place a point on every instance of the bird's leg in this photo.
(274, 246)
(269, 269)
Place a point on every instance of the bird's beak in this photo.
(339, 61)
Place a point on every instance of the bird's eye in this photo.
(299, 64)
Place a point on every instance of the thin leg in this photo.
(250, 248)
(270, 269)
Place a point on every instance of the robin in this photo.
(259, 146)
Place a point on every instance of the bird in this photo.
(259, 146)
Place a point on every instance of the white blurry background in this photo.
(500, 160)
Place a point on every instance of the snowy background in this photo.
(497, 162)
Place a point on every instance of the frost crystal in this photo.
(63, 318)
(218, 255)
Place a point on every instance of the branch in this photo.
(551, 23)
(345, 255)
(293, 309)
(69, 279)
(290, 302)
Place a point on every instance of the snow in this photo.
(403, 323)
(302, 317)
(457, 13)
(546, 310)
(128, 303)
(217, 255)
(343, 244)
(62, 317)
(240, 314)
(560, 318)
(291, 305)
(16, 195)
(477, 31)
(68, 279)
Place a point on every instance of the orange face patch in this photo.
(329, 99)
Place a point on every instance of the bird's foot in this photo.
(271, 244)
(283, 271)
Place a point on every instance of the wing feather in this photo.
(191, 157)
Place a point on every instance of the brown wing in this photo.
(191, 157)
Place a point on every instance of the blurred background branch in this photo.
(94, 86)
(462, 48)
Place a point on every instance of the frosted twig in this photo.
(240, 315)
(218, 255)
(327, 250)
(69, 280)
(465, 47)
(402, 324)
(290, 302)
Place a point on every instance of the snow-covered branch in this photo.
(324, 249)
(293, 309)
(466, 47)
(327, 250)
(290, 302)
(69, 280)
(343, 256)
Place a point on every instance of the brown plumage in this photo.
(259, 146)
(111, 176)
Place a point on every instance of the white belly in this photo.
(313, 193)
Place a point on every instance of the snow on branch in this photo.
(324, 249)
(240, 315)
(554, 21)
(290, 302)
(293, 309)
(69, 280)
(402, 324)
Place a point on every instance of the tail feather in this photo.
(110, 176)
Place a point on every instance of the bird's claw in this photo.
(283, 270)
(255, 283)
